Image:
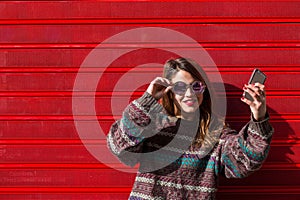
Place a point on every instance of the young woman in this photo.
(178, 107)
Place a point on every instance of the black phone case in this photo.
(256, 76)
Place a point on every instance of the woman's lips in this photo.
(190, 102)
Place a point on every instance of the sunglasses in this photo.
(180, 87)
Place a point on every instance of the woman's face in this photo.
(188, 103)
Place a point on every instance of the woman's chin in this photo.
(188, 113)
(189, 109)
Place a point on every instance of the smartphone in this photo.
(256, 77)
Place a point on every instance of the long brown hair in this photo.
(172, 67)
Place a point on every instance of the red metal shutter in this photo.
(43, 44)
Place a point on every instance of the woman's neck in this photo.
(186, 116)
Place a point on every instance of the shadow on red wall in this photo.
(277, 169)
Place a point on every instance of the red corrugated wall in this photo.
(43, 43)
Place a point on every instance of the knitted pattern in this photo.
(144, 127)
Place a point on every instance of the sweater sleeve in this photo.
(244, 152)
(141, 119)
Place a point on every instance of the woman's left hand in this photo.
(258, 105)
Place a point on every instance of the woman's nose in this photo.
(189, 92)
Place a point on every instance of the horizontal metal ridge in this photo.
(254, 190)
(275, 117)
(152, 21)
(241, 44)
(7, 141)
(51, 142)
(265, 190)
(43, 166)
(16, 190)
(229, 94)
(120, 69)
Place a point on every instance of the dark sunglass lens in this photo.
(180, 88)
(197, 87)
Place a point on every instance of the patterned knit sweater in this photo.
(144, 127)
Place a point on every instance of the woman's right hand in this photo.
(158, 87)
